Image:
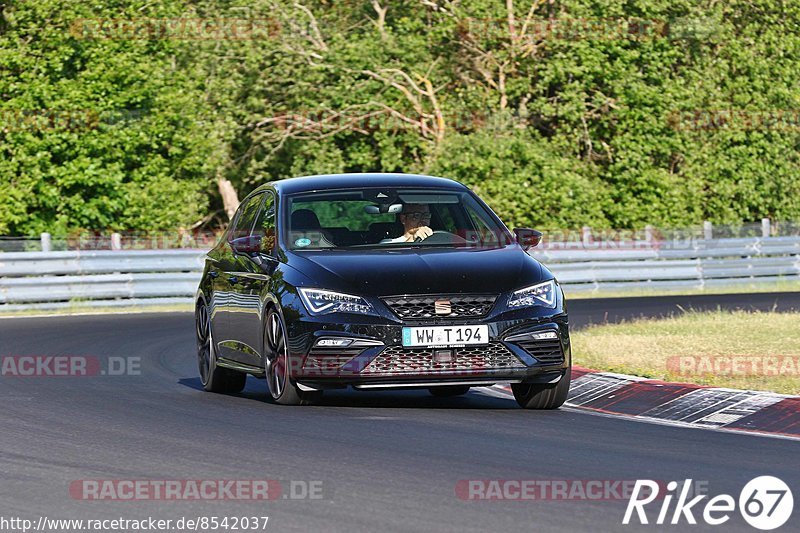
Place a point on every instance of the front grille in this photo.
(400, 360)
(544, 350)
(460, 305)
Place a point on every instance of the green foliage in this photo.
(554, 130)
(525, 180)
(96, 134)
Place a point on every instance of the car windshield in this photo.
(391, 218)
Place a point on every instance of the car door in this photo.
(253, 276)
(220, 261)
(233, 287)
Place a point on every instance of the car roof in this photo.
(350, 181)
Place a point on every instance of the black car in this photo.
(379, 281)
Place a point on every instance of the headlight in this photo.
(320, 302)
(543, 294)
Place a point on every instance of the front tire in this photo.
(277, 365)
(542, 396)
(213, 377)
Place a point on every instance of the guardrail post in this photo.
(648, 234)
(46, 242)
(116, 241)
(766, 229)
(708, 230)
(586, 234)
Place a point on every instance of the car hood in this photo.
(420, 271)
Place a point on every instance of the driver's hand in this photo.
(421, 233)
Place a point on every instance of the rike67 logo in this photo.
(765, 503)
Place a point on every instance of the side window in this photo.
(443, 218)
(265, 224)
(244, 221)
(483, 234)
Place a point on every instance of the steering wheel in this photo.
(442, 237)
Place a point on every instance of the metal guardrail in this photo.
(115, 278)
(61, 279)
(79, 263)
(674, 264)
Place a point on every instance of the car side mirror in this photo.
(528, 238)
(247, 245)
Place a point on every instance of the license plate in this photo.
(445, 335)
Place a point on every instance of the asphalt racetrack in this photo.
(374, 461)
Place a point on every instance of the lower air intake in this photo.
(400, 360)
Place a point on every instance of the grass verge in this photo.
(740, 350)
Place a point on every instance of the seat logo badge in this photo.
(442, 307)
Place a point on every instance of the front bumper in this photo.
(517, 352)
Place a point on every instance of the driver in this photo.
(415, 219)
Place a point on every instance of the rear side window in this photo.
(246, 218)
(265, 224)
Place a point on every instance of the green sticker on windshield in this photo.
(302, 243)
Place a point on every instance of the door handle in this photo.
(233, 279)
(213, 274)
